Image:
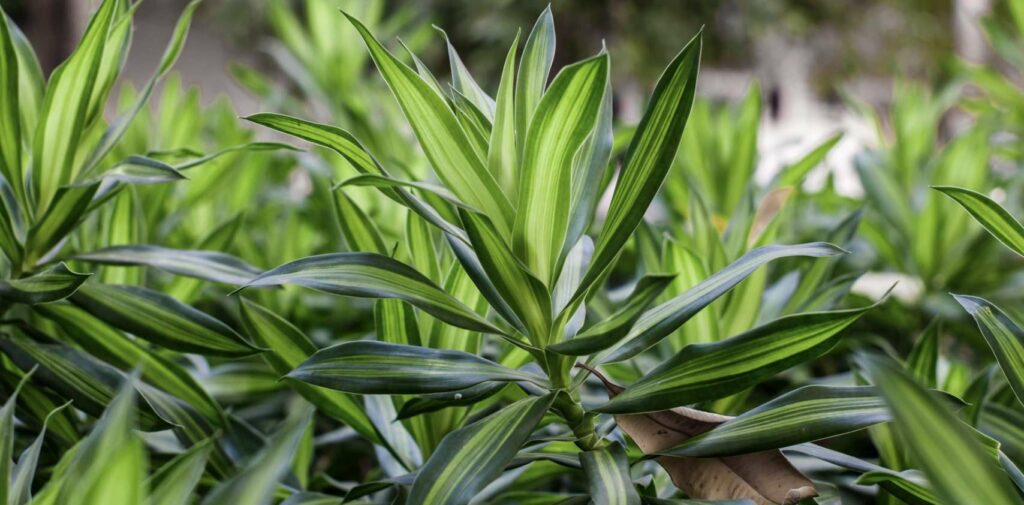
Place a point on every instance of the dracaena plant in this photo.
(490, 296)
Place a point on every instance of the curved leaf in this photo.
(175, 481)
(370, 367)
(161, 319)
(608, 479)
(208, 265)
(990, 214)
(1004, 336)
(370, 275)
(50, 285)
(659, 322)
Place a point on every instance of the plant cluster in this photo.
(460, 316)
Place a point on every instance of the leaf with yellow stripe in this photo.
(564, 119)
(370, 275)
(715, 370)
(207, 265)
(443, 140)
(468, 460)
(993, 217)
(55, 283)
(608, 480)
(372, 367)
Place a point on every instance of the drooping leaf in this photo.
(208, 265)
(903, 485)
(960, 468)
(608, 479)
(156, 317)
(374, 276)
(432, 402)
(370, 367)
(990, 215)
(469, 459)
(660, 321)
(714, 370)
(54, 283)
(1004, 336)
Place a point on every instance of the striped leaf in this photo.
(139, 170)
(994, 218)
(423, 404)
(1004, 336)
(175, 481)
(207, 265)
(960, 468)
(923, 359)
(715, 370)
(12, 228)
(464, 84)
(442, 138)
(534, 67)
(360, 232)
(561, 124)
(70, 206)
(794, 175)
(254, 484)
(610, 330)
(648, 159)
(468, 460)
(662, 320)
(20, 492)
(524, 293)
(370, 367)
(287, 348)
(156, 317)
(608, 480)
(10, 110)
(503, 154)
(904, 485)
(54, 283)
(118, 349)
(370, 275)
(7, 445)
(806, 414)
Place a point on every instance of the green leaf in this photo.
(118, 349)
(662, 320)
(7, 444)
(794, 175)
(50, 285)
(370, 367)
(110, 465)
(608, 479)
(360, 232)
(990, 215)
(70, 206)
(923, 359)
(287, 348)
(709, 371)
(207, 265)
(469, 459)
(175, 481)
(611, 329)
(523, 292)
(959, 468)
(25, 471)
(1004, 336)
(254, 484)
(534, 67)
(464, 84)
(432, 402)
(138, 170)
(10, 109)
(648, 159)
(561, 124)
(370, 275)
(503, 153)
(66, 106)
(442, 138)
(806, 414)
(156, 317)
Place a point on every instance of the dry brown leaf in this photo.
(766, 478)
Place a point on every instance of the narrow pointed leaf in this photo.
(662, 320)
(70, 205)
(534, 67)
(563, 121)
(464, 83)
(10, 122)
(374, 276)
(610, 330)
(469, 459)
(370, 367)
(990, 215)
(207, 265)
(806, 414)
(174, 483)
(360, 232)
(648, 158)
(139, 170)
(503, 154)
(25, 471)
(708, 371)
(433, 402)
(156, 317)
